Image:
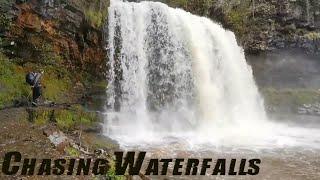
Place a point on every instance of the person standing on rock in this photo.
(34, 80)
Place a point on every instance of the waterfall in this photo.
(174, 74)
(308, 11)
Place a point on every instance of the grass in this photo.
(56, 81)
(296, 97)
(237, 19)
(12, 82)
(70, 119)
(42, 117)
(65, 119)
(72, 152)
(238, 16)
(95, 11)
(177, 3)
(96, 18)
(112, 172)
(56, 86)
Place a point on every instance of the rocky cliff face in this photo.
(52, 32)
(70, 32)
(284, 24)
(264, 25)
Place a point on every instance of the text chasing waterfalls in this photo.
(131, 163)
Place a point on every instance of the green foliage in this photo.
(112, 172)
(56, 86)
(1, 45)
(237, 17)
(237, 20)
(95, 10)
(65, 119)
(72, 152)
(102, 143)
(177, 3)
(56, 81)
(69, 119)
(12, 82)
(42, 117)
(200, 7)
(96, 18)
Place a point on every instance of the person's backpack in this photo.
(30, 78)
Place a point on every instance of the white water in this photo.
(177, 77)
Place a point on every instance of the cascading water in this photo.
(176, 75)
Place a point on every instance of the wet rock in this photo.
(44, 29)
(302, 110)
(308, 106)
(309, 109)
(96, 128)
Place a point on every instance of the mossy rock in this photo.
(66, 119)
(291, 97)
(96, 142)
(95, 11)
(72, 152)
(74, 117)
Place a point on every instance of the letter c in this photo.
(6, 163)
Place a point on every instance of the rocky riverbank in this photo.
(54, 132)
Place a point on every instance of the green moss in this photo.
(56, 81)
(96, 18)
(295, 97)
(102, 143)
(237, 19)
(178, 3)
(65, 119)
(70, 119)
(112, 172)
(56, 87)
(95, 10)
(42, 117)
(238, 16)
(72, 152)
(12, 82)
(1, 45)
(312, 36)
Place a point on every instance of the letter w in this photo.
(134, 167)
